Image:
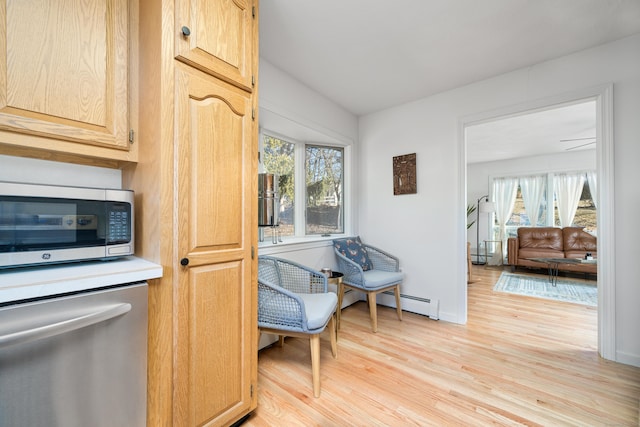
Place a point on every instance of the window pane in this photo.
(323, 170)
(586, 213)
(279, 159)
(520, 217)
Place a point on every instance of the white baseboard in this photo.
(628, 359)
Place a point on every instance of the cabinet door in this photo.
(216, 36)
(63, 70)
(216, 322)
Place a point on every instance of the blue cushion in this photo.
(353, 249)
(319, 308)
(376, 279)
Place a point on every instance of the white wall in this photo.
(35, 171)
(425, 229)
(479, 177)
(296, 104)
(291, 109)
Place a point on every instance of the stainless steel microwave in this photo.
(42, 224)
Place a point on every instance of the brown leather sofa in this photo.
(552, 242)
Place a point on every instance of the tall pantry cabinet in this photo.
(196, 193)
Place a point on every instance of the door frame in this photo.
(603, 95)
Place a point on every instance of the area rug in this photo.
(578, 292)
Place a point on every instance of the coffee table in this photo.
(552, 266)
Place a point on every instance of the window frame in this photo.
(300, 235)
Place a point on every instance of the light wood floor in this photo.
(518, 361)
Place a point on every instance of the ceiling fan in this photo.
(591, 138)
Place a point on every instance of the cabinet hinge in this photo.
(253, 12)
(251, 390)
(253, 81)
(253, 114)
(253, 252)
(131, 136)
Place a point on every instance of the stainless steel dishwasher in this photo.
(75, 360)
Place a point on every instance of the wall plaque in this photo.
(404, 174)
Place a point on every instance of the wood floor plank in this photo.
(519, 361)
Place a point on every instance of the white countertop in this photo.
(33, 282)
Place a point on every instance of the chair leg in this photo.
(334, 337)
(396, 291)
(373, 310)
(314, 341)
(339, 308)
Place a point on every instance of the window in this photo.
(520, 217)
(321, 168)
(585, 211)
(278, 158)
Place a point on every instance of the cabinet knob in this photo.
(184, 261)
(186, 31)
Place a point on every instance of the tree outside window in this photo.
(323, 167)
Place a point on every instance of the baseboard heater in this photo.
(425, 306)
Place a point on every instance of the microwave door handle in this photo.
(106, 313)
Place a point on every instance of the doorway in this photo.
(601, 137)
(534, 146)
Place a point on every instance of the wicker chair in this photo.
(293, 300)
(367, 269)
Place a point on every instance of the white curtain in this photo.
(504, 196)
(532, 188)
(568, 189)
(592, 179)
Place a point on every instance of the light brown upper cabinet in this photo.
(216, 37)
(64, 76)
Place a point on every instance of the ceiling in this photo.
(369, 55)
(562, 129)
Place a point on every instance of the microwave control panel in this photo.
(119, 223)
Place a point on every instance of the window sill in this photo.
(290, 244)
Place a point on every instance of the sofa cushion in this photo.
(540, 238)
(353, 249)
(526, 253)
(577, 240)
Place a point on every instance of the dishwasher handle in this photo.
(33, 334)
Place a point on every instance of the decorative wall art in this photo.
(404, 174)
